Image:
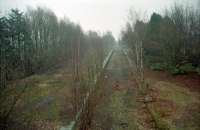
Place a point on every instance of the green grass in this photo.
(51, 112)
(44, 88)
(54, 85)
(122, 102)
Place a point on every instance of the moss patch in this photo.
(44, 95)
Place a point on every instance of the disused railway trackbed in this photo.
(112, 104)
(119, 108)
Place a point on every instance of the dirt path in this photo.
(116, 110)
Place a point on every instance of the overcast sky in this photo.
(98, 15)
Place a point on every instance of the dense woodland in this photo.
(170, 41)
(34, 41)
(37, 41)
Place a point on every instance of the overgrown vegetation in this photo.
(167, 42)
(170, 41)
(36, 41)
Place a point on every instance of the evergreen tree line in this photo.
(170, 41)
(37, 40)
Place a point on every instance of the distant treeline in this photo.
(170, 41)
(37, 40)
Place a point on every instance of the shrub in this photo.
(175, 71)
(158, 66)
(187, 67)
(198, 70)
